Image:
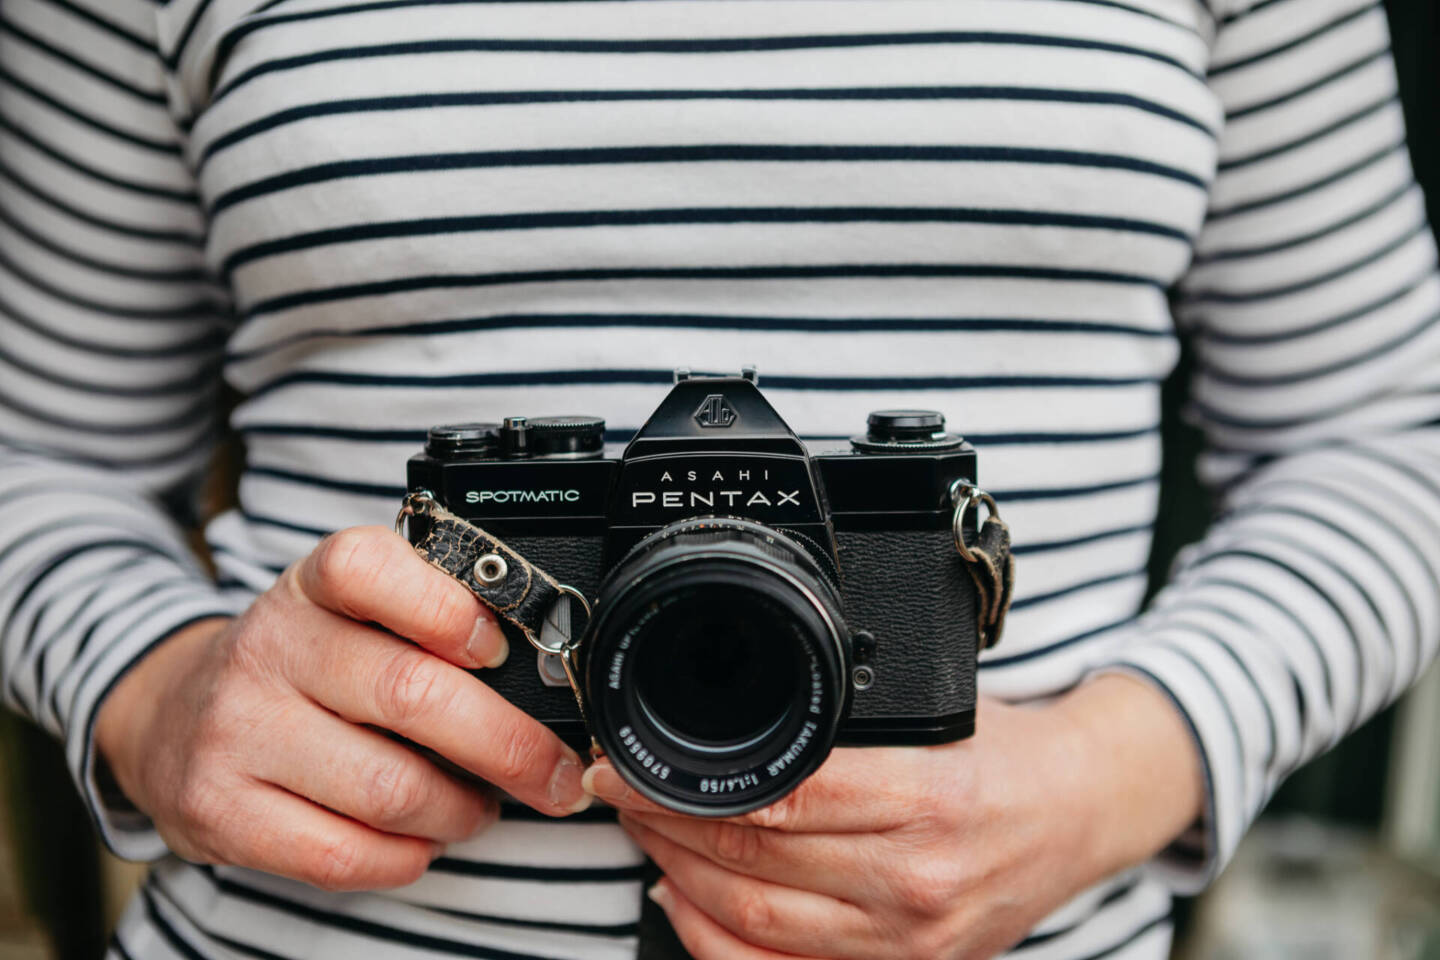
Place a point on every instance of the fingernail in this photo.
(487, 645)
(566, 790)
(602, 781)
(660, 894)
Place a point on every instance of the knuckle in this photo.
(926, 888)
(406, 687)
(334, 865)
(450, 611)
(515, 750)
(751, 911)
(199, 803)
(736, 845)
(353, 556)
(394, 791)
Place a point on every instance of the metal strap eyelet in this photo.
(964, 494)
(416, 504)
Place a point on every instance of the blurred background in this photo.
(1343, 865)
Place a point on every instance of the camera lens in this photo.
(715, 664)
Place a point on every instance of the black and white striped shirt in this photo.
(367, 216)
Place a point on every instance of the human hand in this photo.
(244, 741)
(952, 852)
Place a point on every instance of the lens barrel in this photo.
(717, 666)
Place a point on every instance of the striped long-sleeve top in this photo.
(368, 216)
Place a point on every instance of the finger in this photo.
(839, 865)
(758, 912)
(290, 836)
(391, 684)
(371, 574)
(371, 778)
(703, 938)
(868, 790)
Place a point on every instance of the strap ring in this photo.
(417, 503)
(964, 494)
(573, 641)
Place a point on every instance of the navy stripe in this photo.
(1030, 600)
(1348, 362)
(153, 274)
(1300, 239)
(114, 29)
(1175, 620)
(724, 216)
(844, 271)
(93, 173)
(1348, 170)
(11, 28)
(696, 153)
(168, 147)
(195, 414)
(1388, 571)
(1209, 578)
(1425, 278)
(1217, 70)
(1390, 100)
(253, 24)
(181, 237)
(1110, 533)
(704, 45)
(659, 377)
(1050, 648)
(194, 310)
(197, 379)
(549, 874)
(705, 321)
(1418, 229)
(171, 935)
(357, 925)
(1242, 771)
(432, 101)
(1380, 55)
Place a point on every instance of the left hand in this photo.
(952, 852)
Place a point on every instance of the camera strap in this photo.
(988, 559)
(517, 591)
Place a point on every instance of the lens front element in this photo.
(714, 670)
(715, 665)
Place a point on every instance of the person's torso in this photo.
(432, 212)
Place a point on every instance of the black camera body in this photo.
(755, 601)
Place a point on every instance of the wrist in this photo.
(130, 707)
(1139, 764)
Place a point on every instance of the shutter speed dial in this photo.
(567, 437)
(900, 431)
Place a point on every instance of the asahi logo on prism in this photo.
(716, 412)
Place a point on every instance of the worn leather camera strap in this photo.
(506, 582)
(988, 560)
(518, 591)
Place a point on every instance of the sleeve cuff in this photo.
(1195, 858)
(127, 832)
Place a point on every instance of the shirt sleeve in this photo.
(1311, 304)
(110, 339)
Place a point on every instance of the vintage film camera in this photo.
(755, 602)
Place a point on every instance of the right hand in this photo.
(244, 740)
